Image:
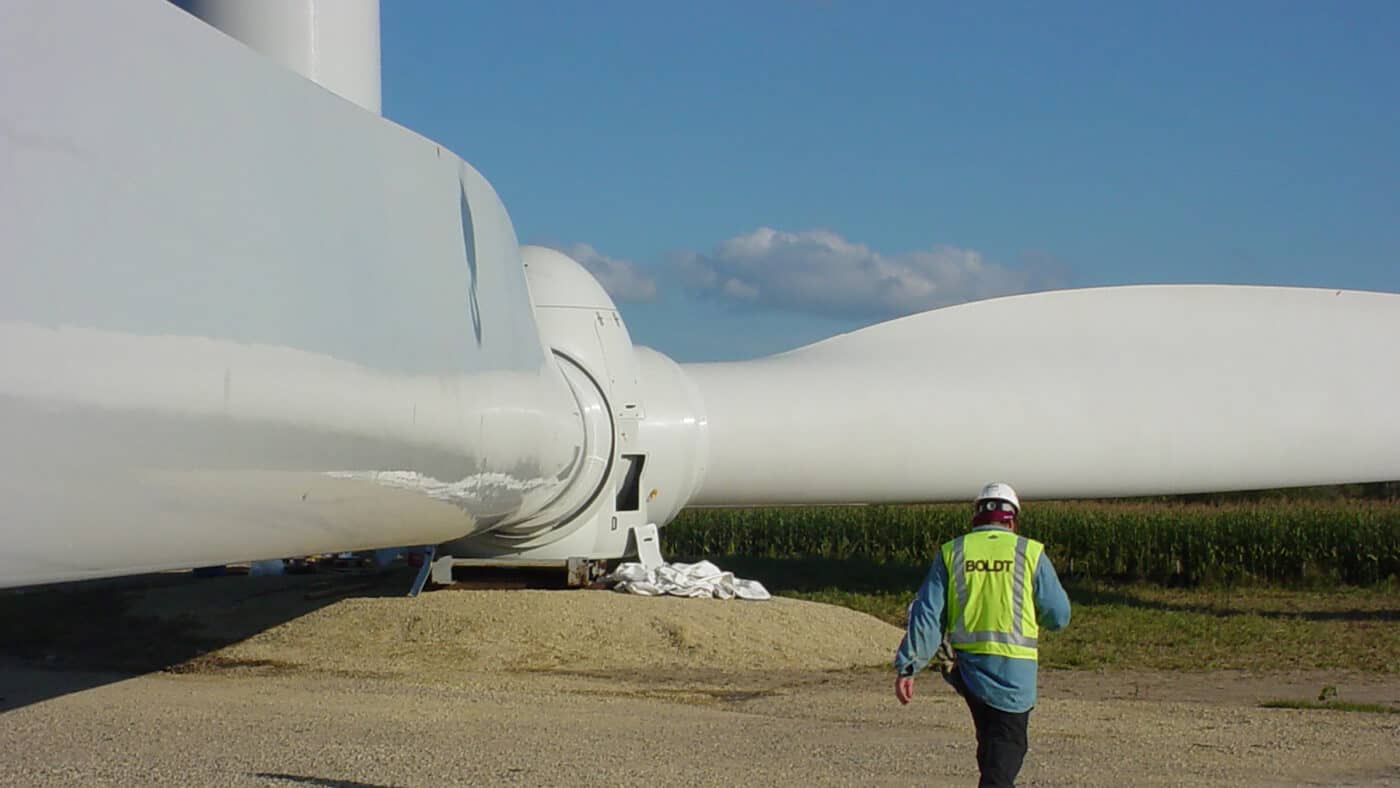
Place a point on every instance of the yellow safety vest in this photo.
(991, 608)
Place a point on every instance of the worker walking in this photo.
(987, 594)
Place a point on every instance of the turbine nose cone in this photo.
(557, 280)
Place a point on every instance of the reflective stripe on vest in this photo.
(991, 608)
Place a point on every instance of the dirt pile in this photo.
(572, 631)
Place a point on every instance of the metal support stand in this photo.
(423, 570)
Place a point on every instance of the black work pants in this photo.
(1001, 739)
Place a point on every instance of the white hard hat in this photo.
(999, 491)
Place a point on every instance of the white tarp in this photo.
(654, 577)
(690, 580)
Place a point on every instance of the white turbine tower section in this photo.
(242, 318)
(334, 43)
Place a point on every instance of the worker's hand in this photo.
(904, 688)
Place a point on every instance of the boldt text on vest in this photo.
(983, 565)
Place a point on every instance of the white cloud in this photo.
(819, 272)
(623, 279)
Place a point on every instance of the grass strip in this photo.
(1143, 626)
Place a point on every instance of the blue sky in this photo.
(747, 177)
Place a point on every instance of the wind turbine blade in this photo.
(1100, 392)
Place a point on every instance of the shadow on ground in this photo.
(94, 633)
(326, 782)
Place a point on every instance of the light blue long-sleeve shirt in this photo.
(1004, 683)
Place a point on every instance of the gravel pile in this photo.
(447, 632)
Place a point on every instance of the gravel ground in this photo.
(539, 688)
(839, 728)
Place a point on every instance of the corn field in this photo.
(1289, 543)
